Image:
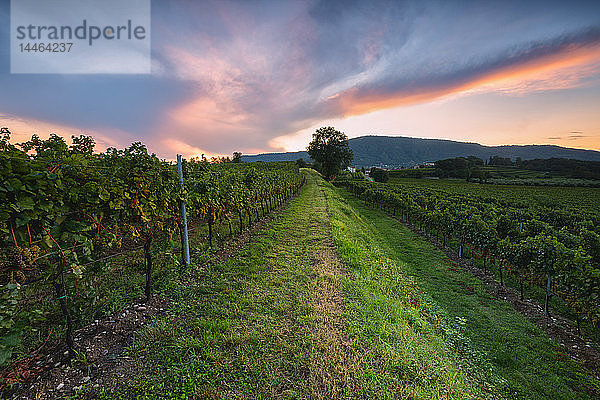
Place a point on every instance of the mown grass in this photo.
(528, 363)
(400, 332)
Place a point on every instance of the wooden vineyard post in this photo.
(185, 244)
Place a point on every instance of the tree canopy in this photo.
(330, 150)
(460, 167)
(379, 175)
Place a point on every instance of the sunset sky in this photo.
(256, 76)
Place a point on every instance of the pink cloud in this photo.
(22, 129)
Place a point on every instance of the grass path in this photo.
(401, 341)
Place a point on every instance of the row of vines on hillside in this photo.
(557, 249)
(62, 207)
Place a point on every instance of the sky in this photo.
(262, 76)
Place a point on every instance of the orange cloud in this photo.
(205, 111)
(175, 147)
(563, 69)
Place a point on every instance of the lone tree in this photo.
(329, 148)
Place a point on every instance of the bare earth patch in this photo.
(101, 346)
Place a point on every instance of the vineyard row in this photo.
(63, 207)
(562, 256)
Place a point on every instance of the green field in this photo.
(573, 198)
(504, 175)
(494, 171)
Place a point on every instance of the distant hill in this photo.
(398, 151)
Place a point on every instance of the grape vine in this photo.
(62, 207)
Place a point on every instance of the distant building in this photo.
(352, 169)
(428, 164)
